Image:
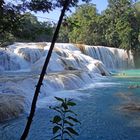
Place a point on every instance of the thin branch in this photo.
(33, 106)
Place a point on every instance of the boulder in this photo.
(11, 106)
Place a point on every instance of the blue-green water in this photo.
(128, 73)
(102, 111)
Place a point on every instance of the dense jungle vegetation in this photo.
(118, 26)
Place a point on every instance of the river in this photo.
(108, 109)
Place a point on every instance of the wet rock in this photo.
(134, 86)
(131, 107)
(11, 106)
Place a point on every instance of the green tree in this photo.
(109, 33)
(118, 26)
(86, 22)
(137, 52)
(137, 8)
(124, 23)
(9, 20)
(64, 32)
(30, 29)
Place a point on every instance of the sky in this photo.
(54, 15)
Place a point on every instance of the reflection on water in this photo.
(107, 113)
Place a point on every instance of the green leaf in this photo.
(72, 131)
(56, 119)
(71, 103)
(74, 119)
(64, 106)
(59, 99)
(55, 129)
(67, 122)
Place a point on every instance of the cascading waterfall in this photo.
(70, 67)
(65, 56)
(112, 58)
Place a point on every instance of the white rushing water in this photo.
(71, 67)
(112, 58)
(31, 56)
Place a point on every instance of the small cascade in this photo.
(69, 57)
(112, 58)
(54, 64)
(24, 86)
(29, 54)
(11, 62)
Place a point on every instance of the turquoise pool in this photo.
(108, 111)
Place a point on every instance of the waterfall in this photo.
(23, 86)
(112, 58)
(71, 67)
(64, 57)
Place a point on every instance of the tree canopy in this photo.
(14, 13)
(137, 7)
(30, 29)
(118, 26)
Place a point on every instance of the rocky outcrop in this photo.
(11, 106)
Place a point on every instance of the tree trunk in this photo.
(33, 106)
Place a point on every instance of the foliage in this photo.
(137, 8)
(30, 29)
(9, 17)
(126, 24)
(16, 22)
(64, 121)
(6, 39)
(118, 26)
(81, 23)
(9, 20)
(64, 31)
